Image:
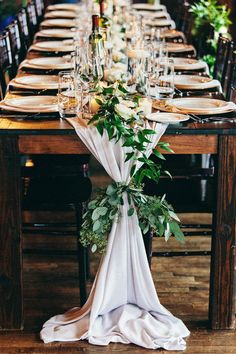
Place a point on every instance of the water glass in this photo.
(164, 79)
(68, 104)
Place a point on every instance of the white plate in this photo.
(191, 82)
(154, 14)
(32, 104)
(56, 32)
(49, 82)
(196, 105)
(59, 22)
(71, 7)
(49, 63)
(160, 23)
(52, 46)
(188, 64)
(148, 7)
(171, 33)
(173, 118)
(179, 47)
(60, 14)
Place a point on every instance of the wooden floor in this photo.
(51, 287)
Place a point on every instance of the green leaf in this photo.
(129, 156)
(132, 170)
(92, 204)
(158, 154)
(177, 232)
(96, 226)
(108, 90)
(148, 131)
(122, 89)
(100, 128)
(98, 101)
(110, 189)
(173, 216)
(94, 248)
(130, 211)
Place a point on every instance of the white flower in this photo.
(124, 111)
(145, 106)
(120, 66)
(118, 43)
(113, 74)
(128, 103)
(117, 55)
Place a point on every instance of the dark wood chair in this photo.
(16, 48)
(231, 87)
(184, 20)
(32, 19)
(224, 55)
(6, 61)
(24, 31)
(39, 6)
(58, 183)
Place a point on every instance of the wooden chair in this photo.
(58, 183)
(15, 41)
(184, 20)
(231, 87)
(39, 6)
(6, 61)
(224, 55)
(32, 19)
(24, 31)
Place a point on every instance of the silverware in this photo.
(29, 116)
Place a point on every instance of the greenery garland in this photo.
(122, 117)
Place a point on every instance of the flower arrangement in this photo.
(120, 115)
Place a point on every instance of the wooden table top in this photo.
(20, 124)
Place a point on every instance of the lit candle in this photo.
(93, 105)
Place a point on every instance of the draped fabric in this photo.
(123, 305)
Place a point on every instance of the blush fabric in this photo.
(123, 306)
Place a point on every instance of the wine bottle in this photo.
(104, 22)
(95, 38)
(96, 46)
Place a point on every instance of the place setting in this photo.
(53, 46)
(30, 108)
(56, 33)
(58, 22)
(149, 7)
(48, 64)
(60, 14)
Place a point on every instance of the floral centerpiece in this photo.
(121, 116)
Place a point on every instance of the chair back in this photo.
(15, 41)
(24, 30)
(39, 6)
(231, 89)
(5, 62)
(223, 54)
(31, 19)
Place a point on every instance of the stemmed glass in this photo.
(88, 73)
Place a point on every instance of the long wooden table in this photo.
(19, 137)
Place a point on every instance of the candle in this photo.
(93, 105)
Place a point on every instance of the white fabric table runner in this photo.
(123, 305)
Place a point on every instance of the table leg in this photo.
(10, 235)
(222, 292)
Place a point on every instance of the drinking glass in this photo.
(162, 83)
(68, 104)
